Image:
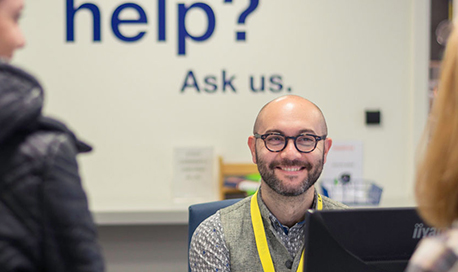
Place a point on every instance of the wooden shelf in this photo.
(233, 169)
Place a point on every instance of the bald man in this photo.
(289, 145)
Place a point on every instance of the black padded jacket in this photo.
(45, 223)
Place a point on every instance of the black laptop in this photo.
(366, 240)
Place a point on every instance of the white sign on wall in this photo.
(193, 174)
(344, 157)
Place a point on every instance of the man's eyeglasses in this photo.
(276, 142)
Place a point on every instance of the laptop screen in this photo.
(376, 239)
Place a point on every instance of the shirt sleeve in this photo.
(432, 254)
(208, 250)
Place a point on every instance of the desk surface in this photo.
(178, 214)
(153, 217)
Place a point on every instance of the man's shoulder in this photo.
(207, 225)
(236, 207)
(329, 204)
(234, 215)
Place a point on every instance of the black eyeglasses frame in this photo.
(294, 138)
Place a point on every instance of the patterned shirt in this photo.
(208, 250)
(438, 254)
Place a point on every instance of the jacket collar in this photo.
(21, 103)
(21, 100)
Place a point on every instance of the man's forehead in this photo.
(294, 121)
(288, 126)
(288, 111)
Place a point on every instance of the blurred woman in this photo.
(437, 174)
(45, 223)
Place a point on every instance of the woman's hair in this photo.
(437, 173)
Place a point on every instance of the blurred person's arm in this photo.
(69, 224)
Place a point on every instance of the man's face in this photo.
(289, 177)
(290, 172)
(11, 37)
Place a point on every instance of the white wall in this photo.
(346, 56)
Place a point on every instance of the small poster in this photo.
(193, 174)
(345, 157)
(342, 177)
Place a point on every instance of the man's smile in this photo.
(290, 169)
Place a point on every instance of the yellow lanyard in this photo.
(260, 235)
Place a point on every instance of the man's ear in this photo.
(252, 146)
(327, 146)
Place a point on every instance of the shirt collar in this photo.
(269, 218)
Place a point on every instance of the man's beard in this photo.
(279, 186)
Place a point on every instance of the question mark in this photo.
(241, 35)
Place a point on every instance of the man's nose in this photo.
(290, 150)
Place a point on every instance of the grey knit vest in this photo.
(239, 237)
